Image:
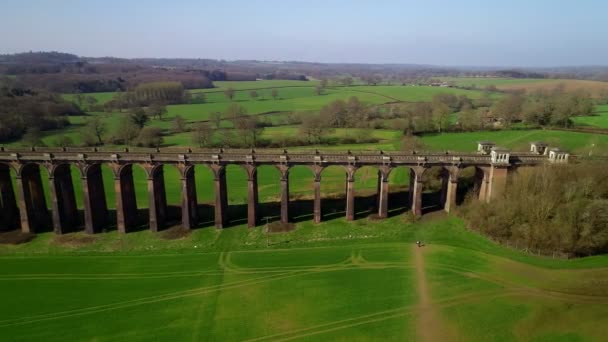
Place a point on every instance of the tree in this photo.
(150, 137)
(202, 134)
(33, 137)
(324, 83)
(509, 108)
(336, 113)
(128, 131)
(179, 124)
(441, 114)
(470, 119)
(229, 93)
(314, 128)
(198, 98)
(216, 118)
(318, 90)
(96, 128)
(91, 101)
(253, 94)
(250, 130)
(234, 112)
(138, 116)
(274, 93)
(157, 110)
(347, 81)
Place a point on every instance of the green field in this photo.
(599, 119)
(337, 280)
(486, 81)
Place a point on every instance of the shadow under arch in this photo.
(33, 194)
(9, 209)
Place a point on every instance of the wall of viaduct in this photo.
(24, 204)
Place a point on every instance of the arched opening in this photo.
(236, 179)
(95, 197)
(333, 190)
(173, 194)
(205, 195)
(269, 193)
(9, 210)
(399, 190)
(469, 184)
(64, 209)
(433, 192)
(367, 191)
(301, 193)
(34, 198)
(131, 198)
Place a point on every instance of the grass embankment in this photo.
(334, 280)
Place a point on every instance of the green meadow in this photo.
(358, 280)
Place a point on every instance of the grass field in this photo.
(333, 281)
(599, 119)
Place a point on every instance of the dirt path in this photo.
(430, 326)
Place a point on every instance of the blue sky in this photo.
(465, 32)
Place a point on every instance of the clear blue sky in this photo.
(465, 32)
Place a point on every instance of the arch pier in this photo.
(24, 204)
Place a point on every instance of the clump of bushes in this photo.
(559, 209)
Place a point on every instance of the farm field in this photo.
(360, 280)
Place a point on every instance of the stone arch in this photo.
(204, 178)
(129, 179)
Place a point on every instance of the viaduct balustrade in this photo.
(30, 211)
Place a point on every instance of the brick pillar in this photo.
(63, 201)
(498, 182)
(285, 196)
(450, 194)
(317, 213)
(382, 195)
(9, 214)
(94, 200)
(252, 197)
(416, 186)
(126, 204)
(482, 179)
(32, 205)
(221, 197)
(189, 201)
(350, 196)
(157, 199)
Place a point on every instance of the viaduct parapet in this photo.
(24, 205)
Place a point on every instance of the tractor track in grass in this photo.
(187, 293)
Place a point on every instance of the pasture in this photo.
(337, 280)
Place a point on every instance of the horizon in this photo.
(472, 34)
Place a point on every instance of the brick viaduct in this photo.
(29, 211)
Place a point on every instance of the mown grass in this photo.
(336, 280)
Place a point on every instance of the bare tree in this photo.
(274, 93)
(318, 90)
(216, 118)
(229, 93)
(202, 134)
(253, 94)
(96, 128)
(179, 124)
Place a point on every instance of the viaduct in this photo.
(28, 210)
